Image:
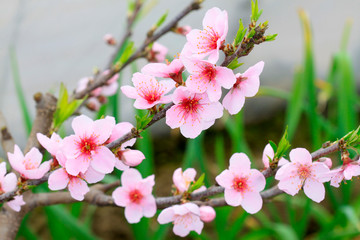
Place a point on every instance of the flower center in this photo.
(135, 196)
(240, 184)
(238, 81)
(151, 92)
(209, 72)
(304, 171)
(185, 220)
(87, 145)
(29, 165)
(208, 40)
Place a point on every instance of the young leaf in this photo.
(162, 19)
(198, 183)
(270, 37)
(234, 64)
(240, 34)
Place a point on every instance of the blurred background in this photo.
(308, 85)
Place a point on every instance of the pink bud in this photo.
(132, 158)
(183, 30)
(109, 39)
(207, 213)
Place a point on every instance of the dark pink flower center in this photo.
(135, 196)
(190, 105)
(304, 171)
(240, 184)
(87, 144)
(209, 73)
(208, 40)
(238, 81)
(151, 92)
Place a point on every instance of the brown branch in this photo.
(7, 142)
(102, 79)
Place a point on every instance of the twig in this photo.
(102, 79)
(7, 142)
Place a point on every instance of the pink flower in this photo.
(207, 213)
(29, 166)
(347, 171)
(60, 179)
(192, 112)
(301, 171)
(207, 42)
(16, 203)
(206, 77)
(269, 153)
(87, 148)
(148, 91)
(242, 184)
(83, 83)
(185, 217)
(54, 146)
(171, 70)
(125, 157)
(182, 180)
(111, 86)
(246, 85)
(135, 195)
(7, 181)
(157, 53)
(109, 39)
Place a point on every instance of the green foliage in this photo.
(240, 34)
(142, 119)
(255, 12)
(64, 108)
(162, 19)
(234, 64)
(199, 183)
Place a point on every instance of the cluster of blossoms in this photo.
(196, 100)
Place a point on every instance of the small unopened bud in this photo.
(93, 104)
(109, 39)
(207, 213)
(183, 30)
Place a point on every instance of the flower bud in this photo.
(109, 39)
(207, 213)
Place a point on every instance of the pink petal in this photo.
(320, 171)
(92, 176)
(147, 184)
(149, 206)
(156, 70)
(252, 83)
(133, 213)
(121, 197)
(103, 129)
(130, 177)
(225, 179)
(189, 174)
(240, 164)
(351, 171)
(181, 229)
(9, 182)
(234, 101)
(103, 160)
(174, 117)
(168, 85)
(120, 165)
(2, 170)
(213, 90)
(252, 202)
(233, 197)
(141, 103)
(314, 190)
(16, 203)
(290, 185)
(257, 180)
(130, 92)
(109, 90)
(300, 155)
(78, 188)
(207, 213)
(191, 129)
(82, 125)
(225, 77)
(34, 156)
(120, 130)
(166, 216)
(58, 179)
(198, 226)
(286, 171)
(76, 165)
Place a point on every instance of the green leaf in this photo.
(255, 13)
(240, 34)
(162, 19)
(273, 146)
(283, 146)
(269, 38)
(198, 183)
(142, 121)
(129, 50)
(234, 64)
(64, 108)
